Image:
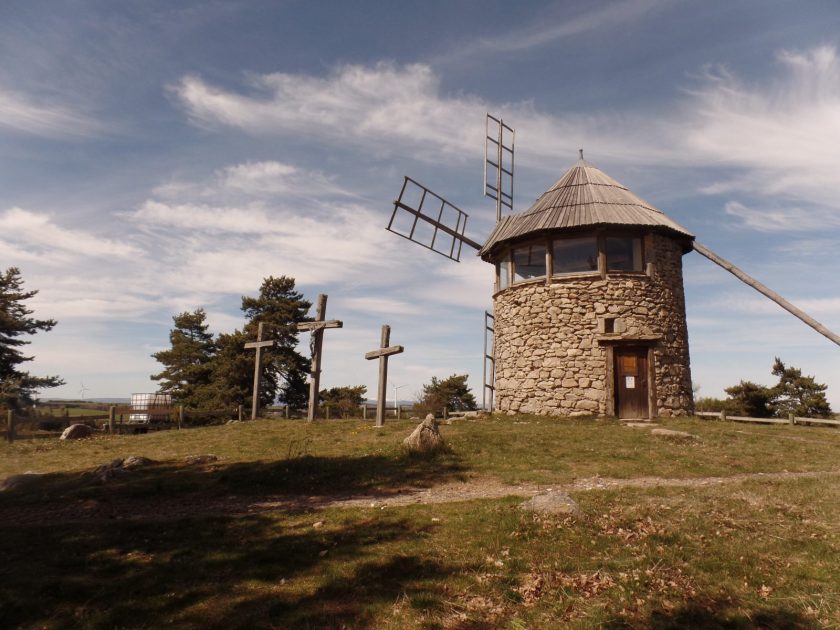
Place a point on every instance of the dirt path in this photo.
(171, 508)
(491, 488)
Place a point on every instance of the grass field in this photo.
(267, 537)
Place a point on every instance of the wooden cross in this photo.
(382, 354)
(317, 329)
(258, 345)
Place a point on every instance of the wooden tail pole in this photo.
(778, 299)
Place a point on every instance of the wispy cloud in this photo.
(786, 219)
(21, 113)
(557, 26)
(770, 136)
(40, 235)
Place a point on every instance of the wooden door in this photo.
(631, 383)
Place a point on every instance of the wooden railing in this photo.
(791, 419)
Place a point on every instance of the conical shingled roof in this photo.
(585, 196)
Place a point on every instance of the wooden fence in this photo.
(116, 420)
(791, 419)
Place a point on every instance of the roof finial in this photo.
(581, 153)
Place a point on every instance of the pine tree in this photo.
(750, 399)
(343, 401)
(452, 393)
(16, 386)
(188, 361)
(232, 372)
(279, 307)
(797, 394)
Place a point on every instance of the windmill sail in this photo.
(498, 163)
(426, 218)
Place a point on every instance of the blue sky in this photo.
(157, 157)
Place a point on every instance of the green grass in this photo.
(148, 549)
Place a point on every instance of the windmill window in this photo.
(575, 255)
(504, 273)
(529, 262)
(624, 253)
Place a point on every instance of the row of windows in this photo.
(569, 256)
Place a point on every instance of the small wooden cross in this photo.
(258, 345)
(382, 354)
(317, 329)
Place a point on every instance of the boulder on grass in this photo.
(426, 438)
(552, 502)
(76, 432)
(136, 461)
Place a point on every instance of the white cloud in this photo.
(777, 135)
(20, 113)
(774, 137)
(788, 219)
(38, 233)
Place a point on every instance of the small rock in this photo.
(640, 425)
(19, 481)
(677, 435)
(201, 459)
(76, 432)
(426, 437)
(323, 553)
(318, 524)
(234, 422)
(552, 502)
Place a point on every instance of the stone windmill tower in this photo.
(589, 307)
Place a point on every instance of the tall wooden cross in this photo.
(258, 345)
(317, 329)
(382, 354)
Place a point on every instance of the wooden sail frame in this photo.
(498, 163)
(434, 210)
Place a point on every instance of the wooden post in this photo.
(317, 328)
(328, 412)
(445, 413)
(382, 354)
(239, 413)
(112, 412)
(723, 415)
(398, 411)
(364, 411)
(258, 345)
(286, 411)
(180, 416)
(10, 424)
(791, 418)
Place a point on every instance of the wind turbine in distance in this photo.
(83, 390)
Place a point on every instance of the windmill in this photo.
(83, 389)
(588, 306)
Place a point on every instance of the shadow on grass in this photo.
(174, 489)
(177, 544)
(251, 571)
(720, 614)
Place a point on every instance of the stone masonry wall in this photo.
(549, 360)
